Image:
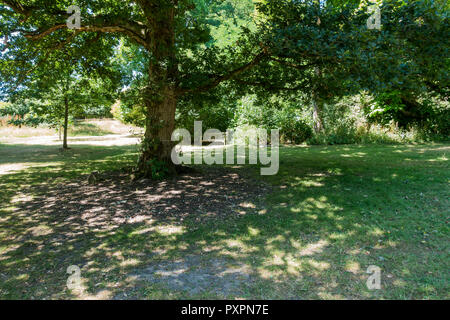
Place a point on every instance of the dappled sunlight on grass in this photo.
(331, 213)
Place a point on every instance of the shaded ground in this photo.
(309, 232)
(62, 220)
(115, 200)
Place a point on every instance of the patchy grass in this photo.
(101, 127)
(87, 129)
(332, 212)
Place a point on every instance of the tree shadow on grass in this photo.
(217, 234)
(49, 228)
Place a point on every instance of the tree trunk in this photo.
(66, 122)
(160, 98)
(317, 115)
(157, 144)
(317, 104)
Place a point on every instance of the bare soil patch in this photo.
(197, 274)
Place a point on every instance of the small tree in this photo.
(17, 112)
(61, 89)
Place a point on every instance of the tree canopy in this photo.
(182, 52)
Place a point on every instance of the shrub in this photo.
(295, 130)
(273, 114)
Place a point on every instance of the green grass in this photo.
(87, 129)
(333, 212)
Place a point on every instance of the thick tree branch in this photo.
(106, 24)
(219, 79)
(93, 28)
(292, 65)
(269, 86)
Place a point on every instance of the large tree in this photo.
(325, 49)
(164, 30)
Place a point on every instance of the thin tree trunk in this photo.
(66, 122)
(316, 101)
(317, 104)
(317, 114)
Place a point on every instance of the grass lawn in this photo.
(331, 212)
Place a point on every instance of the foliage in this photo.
(385, 107)
(428, 114)
(64, 83)
(275, 113)
(216, 114)
(295, 130)
(351, 120)
(16, 112)
(178, 61)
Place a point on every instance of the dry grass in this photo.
(92, 127)
(24, 132)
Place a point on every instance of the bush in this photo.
(429, 116)
(437, 127)
(345, 123)
(295, 131)
(217, 117)
(250, 111)
(116, 111)
(273, 114)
